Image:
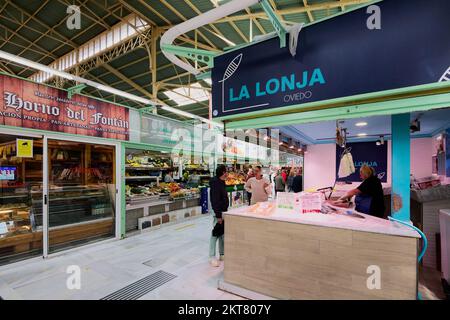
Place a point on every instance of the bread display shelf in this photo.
(16, 196)
(149, 168)
(141, 178)
(24, 242)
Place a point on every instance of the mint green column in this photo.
(123, 215)
(400, 202)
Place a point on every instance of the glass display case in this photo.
(154, 187)
(72, 204)
(18, 176)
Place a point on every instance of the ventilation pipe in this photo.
(218, 13)
(199, 21)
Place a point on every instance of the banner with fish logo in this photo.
(339, 57)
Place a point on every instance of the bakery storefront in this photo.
(58, 169)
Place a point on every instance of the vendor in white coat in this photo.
(258, 186)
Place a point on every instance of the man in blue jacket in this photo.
(219, 203)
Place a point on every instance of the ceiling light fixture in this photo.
(415, 126)
(361, 124)
(380, 142)
(362, 134)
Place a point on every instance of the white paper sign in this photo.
(3, 228)
(288, 202)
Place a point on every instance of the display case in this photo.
(196, 174)
(146, 193)
(72, 205)
(144, 171)
(15, 205)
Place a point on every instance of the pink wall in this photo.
(320, 163)
(421, 157)
(319, 166)
(435, 144)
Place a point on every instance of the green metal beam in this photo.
(276, 22)
(203, 76)
(150, 110)
(388, 107)
(75, 90)
(199, 55)
(429, 90)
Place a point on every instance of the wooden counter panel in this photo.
(21, 239)
(25, 242)
(297, 261)
(82, 231)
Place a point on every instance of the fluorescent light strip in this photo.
(25, 62)
(34, 65)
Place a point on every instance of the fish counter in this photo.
(274, 252)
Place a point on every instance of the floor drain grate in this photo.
(141, 287)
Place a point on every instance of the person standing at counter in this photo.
(250, 174)
(280, 185)
(219, 203)
(169, 177)
(297, 182)
(284, 175)
(369, 195)
(258, 186)
(290, 179)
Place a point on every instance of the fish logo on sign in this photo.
(381, 175)
(230, 70)
(445, 76)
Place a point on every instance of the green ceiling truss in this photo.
(37, 30)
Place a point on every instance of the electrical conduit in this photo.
(422, 235)
(206, 18)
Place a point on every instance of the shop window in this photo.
(20, 178)
(81, 193)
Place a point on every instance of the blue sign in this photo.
(365, 153)
(8, 173)
(338, 57)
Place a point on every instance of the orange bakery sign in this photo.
(30, 105)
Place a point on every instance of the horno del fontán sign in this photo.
(30, 105)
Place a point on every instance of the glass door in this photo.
(21, 183)
(81, 193)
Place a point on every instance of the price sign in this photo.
(24, 148)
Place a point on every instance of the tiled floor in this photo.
(107, 267)
(180, 249)
(430, 286)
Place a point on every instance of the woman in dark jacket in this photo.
(219, 203)
(297, 183)
(290, 179)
